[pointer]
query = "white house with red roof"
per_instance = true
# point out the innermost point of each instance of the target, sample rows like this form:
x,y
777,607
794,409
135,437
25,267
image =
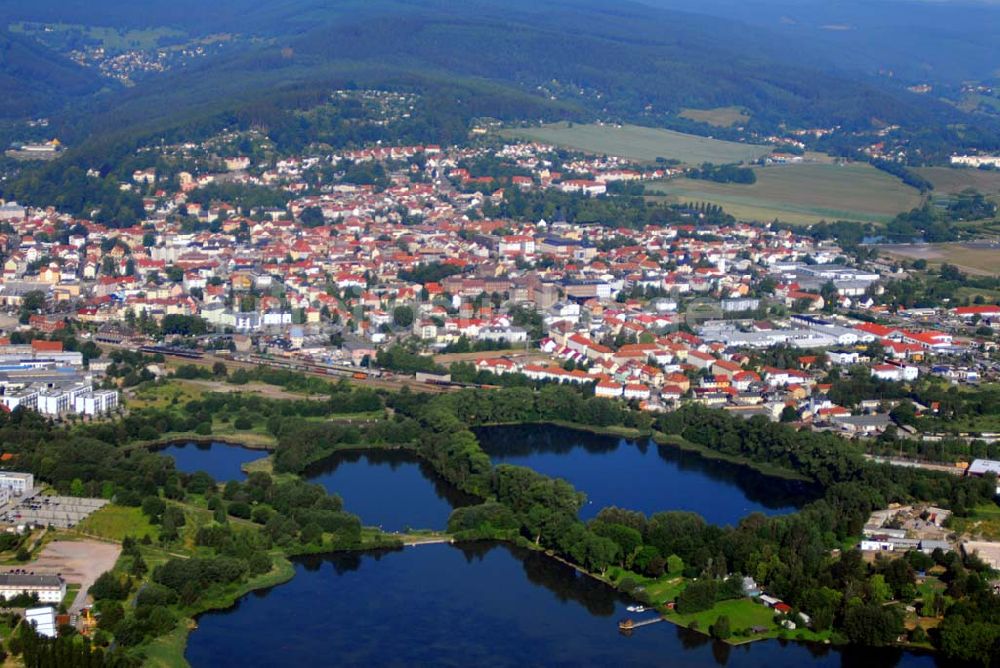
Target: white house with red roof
x,y
608,389
895,372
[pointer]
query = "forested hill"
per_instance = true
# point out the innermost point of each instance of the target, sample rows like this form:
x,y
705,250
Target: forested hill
x,y
624,59
533,59
913,40
34,79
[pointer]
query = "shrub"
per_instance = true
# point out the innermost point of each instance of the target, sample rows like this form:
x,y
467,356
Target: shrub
x,y
239,509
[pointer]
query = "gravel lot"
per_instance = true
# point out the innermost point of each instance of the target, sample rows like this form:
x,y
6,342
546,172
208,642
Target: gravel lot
x,y
79,562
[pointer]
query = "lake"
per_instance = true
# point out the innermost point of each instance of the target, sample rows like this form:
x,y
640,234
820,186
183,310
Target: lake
x,y
477,604
395,490
222,461
392,489
641,475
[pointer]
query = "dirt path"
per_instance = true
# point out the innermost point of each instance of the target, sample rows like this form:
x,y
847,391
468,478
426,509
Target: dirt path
x,y
263,389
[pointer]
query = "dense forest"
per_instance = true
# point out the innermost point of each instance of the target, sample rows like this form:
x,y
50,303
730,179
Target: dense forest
x,y
35,79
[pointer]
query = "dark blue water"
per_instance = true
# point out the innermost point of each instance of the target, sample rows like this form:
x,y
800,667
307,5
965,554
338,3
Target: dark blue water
x,y
222,461
475,605
641,475
390,489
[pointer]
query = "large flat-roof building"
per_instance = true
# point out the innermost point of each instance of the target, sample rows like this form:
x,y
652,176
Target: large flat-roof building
x,y
981,467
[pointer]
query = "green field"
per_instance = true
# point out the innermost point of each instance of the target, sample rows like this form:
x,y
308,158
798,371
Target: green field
x,y
115,522
802,194
974,258
640,143
950,180
721,117
743,613
983,524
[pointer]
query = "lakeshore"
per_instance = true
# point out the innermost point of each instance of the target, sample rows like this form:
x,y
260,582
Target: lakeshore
x,y
431,538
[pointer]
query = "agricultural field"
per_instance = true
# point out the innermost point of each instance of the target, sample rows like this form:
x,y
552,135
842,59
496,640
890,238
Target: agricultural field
x,y
950,181
720,117
802,194
974,257
68,35
642,144
983,103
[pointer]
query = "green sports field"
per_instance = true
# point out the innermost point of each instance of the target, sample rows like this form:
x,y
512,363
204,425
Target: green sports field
x,y
641,143
802,194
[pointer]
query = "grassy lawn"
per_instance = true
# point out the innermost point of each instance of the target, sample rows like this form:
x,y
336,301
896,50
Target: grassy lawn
x,y
743,613
930,585
952,180
176,392
984,523
168,651
664,590
802,194
720,117
266,465
115,522
641,143
257,436
71,591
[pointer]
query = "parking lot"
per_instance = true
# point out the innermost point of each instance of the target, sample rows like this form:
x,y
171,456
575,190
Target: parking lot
x,y
62,512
